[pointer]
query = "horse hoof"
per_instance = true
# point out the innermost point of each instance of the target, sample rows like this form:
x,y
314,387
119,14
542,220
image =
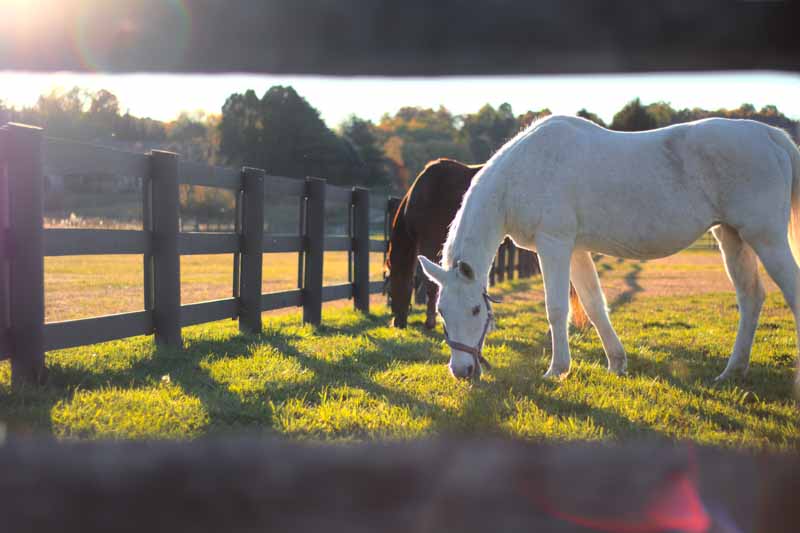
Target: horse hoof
x,y
730,374
430,324
620,368
557,374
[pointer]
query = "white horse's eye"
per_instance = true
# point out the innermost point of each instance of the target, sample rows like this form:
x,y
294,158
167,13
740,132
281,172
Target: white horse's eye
x,y
476,310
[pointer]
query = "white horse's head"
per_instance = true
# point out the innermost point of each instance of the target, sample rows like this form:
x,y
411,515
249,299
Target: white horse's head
x,y
464,307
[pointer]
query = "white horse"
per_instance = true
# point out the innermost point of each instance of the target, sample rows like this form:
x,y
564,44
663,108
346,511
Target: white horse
x,y
566,187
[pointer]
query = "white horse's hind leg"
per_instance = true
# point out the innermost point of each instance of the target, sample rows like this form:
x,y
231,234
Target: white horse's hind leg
x,y
742,267
781,266
587,284
554,257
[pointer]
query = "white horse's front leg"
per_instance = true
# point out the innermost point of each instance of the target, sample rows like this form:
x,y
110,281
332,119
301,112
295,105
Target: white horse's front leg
x,y
554,257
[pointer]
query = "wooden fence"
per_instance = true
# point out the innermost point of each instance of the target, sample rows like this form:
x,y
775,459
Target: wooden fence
x,y
24,336
511,261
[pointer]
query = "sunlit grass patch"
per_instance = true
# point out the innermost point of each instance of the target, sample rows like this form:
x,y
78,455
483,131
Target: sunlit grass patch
x,y
263,373
346,413
429,384
530,421
163,411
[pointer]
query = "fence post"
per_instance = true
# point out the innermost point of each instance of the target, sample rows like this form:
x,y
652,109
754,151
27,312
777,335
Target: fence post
x,y
501,261
314,250
524,263
26,233
251,259
166,259
511,260
5,347
361,247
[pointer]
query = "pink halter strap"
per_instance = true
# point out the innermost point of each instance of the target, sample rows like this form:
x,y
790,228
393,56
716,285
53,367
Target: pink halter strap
x,y
475,351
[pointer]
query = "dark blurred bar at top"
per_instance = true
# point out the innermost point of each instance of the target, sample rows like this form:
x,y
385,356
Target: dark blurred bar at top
x,y
409,38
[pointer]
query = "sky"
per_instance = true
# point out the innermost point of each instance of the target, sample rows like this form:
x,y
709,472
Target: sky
x,y
163,97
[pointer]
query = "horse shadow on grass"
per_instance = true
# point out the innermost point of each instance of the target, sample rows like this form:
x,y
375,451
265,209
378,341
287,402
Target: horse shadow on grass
x,y
632,287
693,372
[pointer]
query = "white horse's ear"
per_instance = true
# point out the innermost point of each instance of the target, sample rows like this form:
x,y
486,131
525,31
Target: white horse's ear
x,y
434,272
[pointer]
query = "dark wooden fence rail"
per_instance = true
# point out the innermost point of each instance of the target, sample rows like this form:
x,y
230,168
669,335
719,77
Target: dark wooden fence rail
x,y
25,155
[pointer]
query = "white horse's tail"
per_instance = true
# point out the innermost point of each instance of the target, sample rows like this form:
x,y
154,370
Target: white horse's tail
x,y
794,217
794,220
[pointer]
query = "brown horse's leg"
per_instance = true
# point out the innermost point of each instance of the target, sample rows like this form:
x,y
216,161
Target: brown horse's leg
x,y
431,248
433,294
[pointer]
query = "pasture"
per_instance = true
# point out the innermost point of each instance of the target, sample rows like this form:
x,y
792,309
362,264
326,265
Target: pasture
x,y
355,378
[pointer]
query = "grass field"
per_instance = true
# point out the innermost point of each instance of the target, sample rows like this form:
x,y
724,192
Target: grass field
x,y
357,378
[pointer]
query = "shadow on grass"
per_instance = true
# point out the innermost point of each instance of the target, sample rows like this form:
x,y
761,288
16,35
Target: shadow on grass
x,y
632,286
693,372
614,424
484,409
226,411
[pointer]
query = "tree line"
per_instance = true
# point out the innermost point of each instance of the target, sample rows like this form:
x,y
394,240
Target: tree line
x,y
284,134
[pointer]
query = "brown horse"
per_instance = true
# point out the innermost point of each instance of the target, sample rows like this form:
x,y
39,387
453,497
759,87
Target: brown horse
x,y
420,228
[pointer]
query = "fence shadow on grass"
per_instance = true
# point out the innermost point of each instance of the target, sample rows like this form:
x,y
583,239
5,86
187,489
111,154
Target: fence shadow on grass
x,y
484,409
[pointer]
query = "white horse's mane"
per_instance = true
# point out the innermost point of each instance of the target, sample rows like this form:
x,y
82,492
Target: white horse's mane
x,y
451,250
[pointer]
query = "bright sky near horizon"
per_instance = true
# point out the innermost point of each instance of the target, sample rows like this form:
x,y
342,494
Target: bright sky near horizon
x,y
163,97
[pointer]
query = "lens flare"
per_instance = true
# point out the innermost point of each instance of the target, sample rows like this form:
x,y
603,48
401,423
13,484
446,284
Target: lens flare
x,y
107,35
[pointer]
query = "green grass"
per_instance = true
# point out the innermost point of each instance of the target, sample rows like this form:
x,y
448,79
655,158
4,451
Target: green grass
x,y
355,378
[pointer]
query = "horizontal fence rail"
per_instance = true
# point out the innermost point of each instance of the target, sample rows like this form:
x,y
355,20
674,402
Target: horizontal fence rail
x,y
29,156
208,176
64,158
95,242
210,311
208,243
282,243
278,300
72,333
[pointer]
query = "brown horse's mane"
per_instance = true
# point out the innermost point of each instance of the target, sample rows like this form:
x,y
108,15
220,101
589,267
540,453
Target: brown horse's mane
x,y
404,201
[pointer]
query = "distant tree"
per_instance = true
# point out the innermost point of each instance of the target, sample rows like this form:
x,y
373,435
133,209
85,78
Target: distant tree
x,y
487,130
633,117
190,135
63,114
241,129
284,135
6,112
746,110
588,115
187,127
529,117
661,113
414,136
361,135
420,124
103,113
